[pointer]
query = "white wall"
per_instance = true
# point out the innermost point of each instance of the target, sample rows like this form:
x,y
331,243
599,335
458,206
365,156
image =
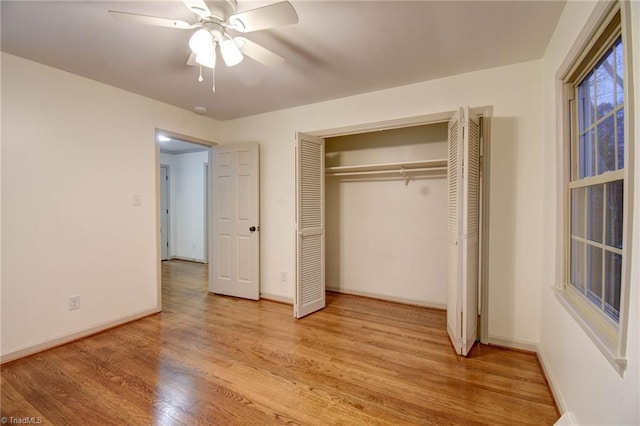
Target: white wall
x,y
186,206
384,238
74,153
585,382
515,93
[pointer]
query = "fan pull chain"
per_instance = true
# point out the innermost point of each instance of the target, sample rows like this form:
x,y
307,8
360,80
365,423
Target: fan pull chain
x,y
200,76
213,80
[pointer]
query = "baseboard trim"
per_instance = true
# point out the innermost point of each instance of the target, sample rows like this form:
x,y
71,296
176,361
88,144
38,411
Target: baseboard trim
x,y
513,344
275,298
77,335
553,386
188,259
389,298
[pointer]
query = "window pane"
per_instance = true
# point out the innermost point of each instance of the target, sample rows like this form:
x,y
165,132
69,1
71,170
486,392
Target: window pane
x,y
578,212
606,146
594,274
604,85
619,72
577,265
612,280
620,137
614,213
587,149
594,212
586,103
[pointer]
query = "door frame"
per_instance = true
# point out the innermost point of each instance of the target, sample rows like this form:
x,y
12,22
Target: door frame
x,y
167,185
187,138
486,113
205,222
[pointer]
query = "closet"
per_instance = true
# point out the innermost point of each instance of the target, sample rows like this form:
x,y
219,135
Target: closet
x,y
386,214
396,214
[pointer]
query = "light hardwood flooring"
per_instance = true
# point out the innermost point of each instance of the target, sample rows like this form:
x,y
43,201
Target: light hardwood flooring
x,y
209,359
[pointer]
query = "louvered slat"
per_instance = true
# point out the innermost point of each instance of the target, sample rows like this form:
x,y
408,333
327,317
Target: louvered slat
x,y
310,287
452,182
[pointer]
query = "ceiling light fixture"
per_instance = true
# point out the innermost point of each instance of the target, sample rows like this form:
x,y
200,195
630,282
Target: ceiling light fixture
x,y
201,41
207,57
163,138
211,28
230,52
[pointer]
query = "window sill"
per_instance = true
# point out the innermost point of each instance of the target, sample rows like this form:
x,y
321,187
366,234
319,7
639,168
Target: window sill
x,y
600,331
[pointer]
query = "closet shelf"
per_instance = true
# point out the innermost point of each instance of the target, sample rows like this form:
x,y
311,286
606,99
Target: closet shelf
x,y
404,169
406,166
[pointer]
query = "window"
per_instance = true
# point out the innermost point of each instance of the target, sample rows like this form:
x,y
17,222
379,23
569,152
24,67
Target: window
x,y
597,205
597,184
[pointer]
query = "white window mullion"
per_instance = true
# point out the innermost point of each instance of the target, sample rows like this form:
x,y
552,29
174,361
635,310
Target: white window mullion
x,y
604,240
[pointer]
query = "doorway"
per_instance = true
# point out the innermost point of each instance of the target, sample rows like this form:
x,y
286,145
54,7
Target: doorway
x,y
310,280
182,199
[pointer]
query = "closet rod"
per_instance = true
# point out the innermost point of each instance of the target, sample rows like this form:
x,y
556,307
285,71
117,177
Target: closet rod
x,y
377,172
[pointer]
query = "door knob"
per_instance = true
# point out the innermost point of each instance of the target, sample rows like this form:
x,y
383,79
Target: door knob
x,y
252,229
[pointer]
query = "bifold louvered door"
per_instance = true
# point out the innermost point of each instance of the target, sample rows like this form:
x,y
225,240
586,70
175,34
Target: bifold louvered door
x,y
463,179
310,274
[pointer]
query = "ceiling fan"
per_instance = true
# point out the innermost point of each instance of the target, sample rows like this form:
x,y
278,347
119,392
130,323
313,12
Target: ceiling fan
x,y
216,22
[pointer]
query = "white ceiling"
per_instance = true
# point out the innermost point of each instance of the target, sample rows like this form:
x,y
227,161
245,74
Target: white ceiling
x,y
339,48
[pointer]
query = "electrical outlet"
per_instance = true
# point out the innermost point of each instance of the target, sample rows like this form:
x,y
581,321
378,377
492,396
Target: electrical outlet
x,y
137,200
74,303
283,276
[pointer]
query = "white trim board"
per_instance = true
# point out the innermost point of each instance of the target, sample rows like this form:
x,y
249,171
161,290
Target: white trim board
x,y
188,259
276,298
513,344
552,382
71,337
386,298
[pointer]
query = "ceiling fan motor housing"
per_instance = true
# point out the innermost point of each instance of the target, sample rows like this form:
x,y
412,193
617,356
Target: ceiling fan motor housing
x,y
220,9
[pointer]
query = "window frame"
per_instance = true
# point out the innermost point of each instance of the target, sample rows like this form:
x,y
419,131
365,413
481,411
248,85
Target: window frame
x,y
608,21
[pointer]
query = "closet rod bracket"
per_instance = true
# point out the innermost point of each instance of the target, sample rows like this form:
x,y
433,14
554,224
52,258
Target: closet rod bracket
x,y
405,176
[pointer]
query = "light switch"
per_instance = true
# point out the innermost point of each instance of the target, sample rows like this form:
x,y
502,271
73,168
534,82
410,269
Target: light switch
x,y
137,199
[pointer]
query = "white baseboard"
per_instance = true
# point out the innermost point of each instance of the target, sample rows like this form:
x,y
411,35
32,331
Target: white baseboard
x,y
513,344
188,259
555,390
388,298
68,338
567,419
276,298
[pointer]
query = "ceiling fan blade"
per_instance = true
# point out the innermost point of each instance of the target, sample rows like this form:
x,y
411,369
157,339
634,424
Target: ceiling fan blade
x,y
273,15
151,20
192,60
199,7
258,53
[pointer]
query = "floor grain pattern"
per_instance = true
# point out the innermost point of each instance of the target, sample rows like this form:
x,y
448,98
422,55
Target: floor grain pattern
x,y
210,359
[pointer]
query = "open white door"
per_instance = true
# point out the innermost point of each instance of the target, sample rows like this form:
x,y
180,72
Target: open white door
x,y
463,229
310,247
164,211
235,257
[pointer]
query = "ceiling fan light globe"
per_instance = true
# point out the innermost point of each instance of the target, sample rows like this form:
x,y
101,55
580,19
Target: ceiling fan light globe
x,y
230,52
207,59
201,41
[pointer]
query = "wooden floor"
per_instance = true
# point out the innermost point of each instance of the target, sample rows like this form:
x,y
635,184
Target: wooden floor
x,y
217,360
